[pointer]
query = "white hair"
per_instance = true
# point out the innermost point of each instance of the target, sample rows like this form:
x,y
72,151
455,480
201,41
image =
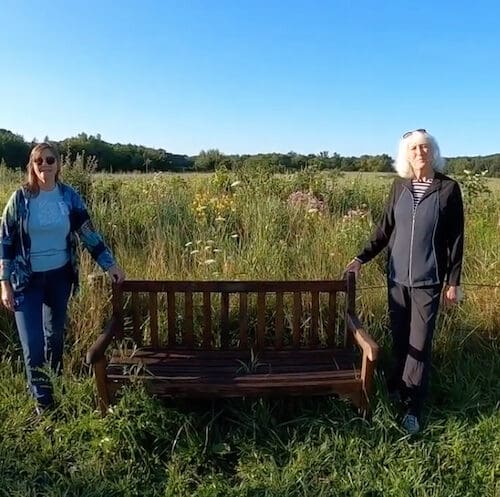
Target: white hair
x,y
402,164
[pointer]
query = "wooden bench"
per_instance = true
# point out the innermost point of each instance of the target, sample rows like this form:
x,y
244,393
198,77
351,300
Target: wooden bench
x,y
210,339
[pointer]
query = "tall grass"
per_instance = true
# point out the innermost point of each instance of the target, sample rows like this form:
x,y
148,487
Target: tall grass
x,y
242,225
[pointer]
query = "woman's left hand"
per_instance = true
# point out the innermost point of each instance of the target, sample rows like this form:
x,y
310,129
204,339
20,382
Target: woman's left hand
x,y
452,295
116,274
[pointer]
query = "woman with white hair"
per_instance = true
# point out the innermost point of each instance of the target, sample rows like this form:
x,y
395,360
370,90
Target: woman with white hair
x,y
423,227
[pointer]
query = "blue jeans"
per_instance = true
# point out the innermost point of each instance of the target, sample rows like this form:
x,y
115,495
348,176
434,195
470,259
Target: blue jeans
x,y
40,312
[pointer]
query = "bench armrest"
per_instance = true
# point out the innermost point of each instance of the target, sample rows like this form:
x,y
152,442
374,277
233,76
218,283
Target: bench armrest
x,y
362,338
98,348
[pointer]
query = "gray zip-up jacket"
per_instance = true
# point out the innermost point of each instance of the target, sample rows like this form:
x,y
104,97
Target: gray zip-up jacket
x,y
425,244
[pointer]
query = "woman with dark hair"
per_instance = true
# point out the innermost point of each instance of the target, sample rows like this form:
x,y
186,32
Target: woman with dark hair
x,y
423,228
41,224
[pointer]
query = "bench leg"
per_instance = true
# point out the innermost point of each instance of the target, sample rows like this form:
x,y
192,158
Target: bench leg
x,y
367,373
102,387
357,399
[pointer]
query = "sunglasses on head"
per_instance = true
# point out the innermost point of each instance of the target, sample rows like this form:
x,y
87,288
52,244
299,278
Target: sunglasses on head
x,y
409,133
49,160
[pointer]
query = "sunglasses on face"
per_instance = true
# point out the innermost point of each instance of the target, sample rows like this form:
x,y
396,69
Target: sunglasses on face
x,y
409,133
49,160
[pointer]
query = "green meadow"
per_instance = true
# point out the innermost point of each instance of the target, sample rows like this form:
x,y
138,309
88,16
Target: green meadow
x,y
249,224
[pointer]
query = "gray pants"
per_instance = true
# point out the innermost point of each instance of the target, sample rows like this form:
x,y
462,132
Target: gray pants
x,y
412,313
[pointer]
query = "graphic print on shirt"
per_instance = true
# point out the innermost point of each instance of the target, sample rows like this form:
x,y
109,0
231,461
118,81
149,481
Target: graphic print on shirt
x,y
50,213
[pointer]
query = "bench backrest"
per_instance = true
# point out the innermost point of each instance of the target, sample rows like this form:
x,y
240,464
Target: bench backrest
x,y
235,314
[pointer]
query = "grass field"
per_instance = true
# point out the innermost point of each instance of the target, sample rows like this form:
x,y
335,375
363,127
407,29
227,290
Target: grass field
x,y
168,226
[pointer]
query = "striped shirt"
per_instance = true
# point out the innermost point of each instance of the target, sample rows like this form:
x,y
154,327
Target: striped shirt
x,y
419,187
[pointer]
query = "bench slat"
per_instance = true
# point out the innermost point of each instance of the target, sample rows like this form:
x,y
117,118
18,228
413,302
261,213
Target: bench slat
x,y
224,318
153,318
261,320
331,322
222,376
187,336
209,391
285,356
254,286
233,368
136,326
279,322
171,319
207,321
259,385
296,315
243,321
313,335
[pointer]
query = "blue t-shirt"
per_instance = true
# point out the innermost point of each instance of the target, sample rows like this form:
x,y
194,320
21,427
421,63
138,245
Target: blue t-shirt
x,y
48,228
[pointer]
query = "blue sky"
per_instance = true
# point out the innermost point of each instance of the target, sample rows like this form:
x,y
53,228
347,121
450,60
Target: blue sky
x,y
254,76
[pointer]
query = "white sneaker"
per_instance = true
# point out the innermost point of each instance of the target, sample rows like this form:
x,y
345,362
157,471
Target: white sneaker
x,y
410,424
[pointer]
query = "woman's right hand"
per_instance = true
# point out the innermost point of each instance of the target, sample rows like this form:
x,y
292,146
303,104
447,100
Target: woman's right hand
x,y
354,266
7,295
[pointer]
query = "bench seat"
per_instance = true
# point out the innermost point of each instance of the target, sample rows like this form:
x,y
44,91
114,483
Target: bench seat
x,y
198,373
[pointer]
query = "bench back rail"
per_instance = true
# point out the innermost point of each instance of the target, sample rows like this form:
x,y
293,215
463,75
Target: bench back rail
x,y
230,315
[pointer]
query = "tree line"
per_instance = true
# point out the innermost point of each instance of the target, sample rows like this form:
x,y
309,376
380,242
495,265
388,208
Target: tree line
x,y
117,157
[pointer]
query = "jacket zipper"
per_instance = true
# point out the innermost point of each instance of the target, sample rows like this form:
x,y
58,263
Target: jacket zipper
x,y
411,242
